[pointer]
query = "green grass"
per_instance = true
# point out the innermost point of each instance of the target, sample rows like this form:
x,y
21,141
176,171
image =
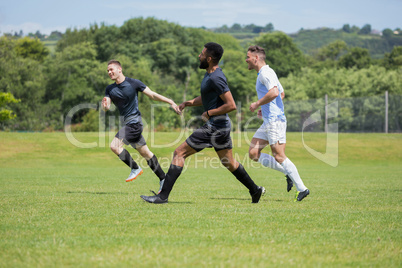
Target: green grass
x,y
65,206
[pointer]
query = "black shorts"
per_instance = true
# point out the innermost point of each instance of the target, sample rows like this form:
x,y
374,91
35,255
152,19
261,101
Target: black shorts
x,y
132,135
208,136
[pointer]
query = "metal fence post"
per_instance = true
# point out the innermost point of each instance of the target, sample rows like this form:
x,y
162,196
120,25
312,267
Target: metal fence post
x,y
386,111
326,113
238,123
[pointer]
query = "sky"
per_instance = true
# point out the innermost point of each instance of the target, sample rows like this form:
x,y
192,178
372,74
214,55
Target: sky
x,y
287,16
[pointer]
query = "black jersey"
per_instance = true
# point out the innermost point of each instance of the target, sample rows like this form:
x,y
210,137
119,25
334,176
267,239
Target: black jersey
x,y
125,97
212,86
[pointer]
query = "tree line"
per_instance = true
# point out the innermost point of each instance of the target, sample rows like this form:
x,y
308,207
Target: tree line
x,y
164,55
378,43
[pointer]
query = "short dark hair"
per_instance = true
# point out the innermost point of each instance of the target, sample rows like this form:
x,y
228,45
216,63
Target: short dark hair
x,y
215,51
258,50
114,62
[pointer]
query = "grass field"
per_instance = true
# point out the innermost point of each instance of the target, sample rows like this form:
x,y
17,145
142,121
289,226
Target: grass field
x,y
61,205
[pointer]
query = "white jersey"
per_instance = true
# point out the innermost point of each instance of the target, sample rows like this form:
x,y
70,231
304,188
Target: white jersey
x,y
267,80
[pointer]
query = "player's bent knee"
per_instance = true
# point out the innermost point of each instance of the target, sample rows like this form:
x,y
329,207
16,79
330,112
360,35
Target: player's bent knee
x,y
254,155
279,158
178,153
115,148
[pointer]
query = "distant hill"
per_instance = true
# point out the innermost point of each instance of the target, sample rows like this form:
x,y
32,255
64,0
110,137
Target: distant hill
x,y
309,41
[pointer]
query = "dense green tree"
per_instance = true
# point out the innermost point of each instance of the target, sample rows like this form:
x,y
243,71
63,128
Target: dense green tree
x,y
341,83
366,29
250,27
164,53
354,29
356,57
90,122
236,27
7,48
55,35
109,43
75,36
5,112
394,59
332,51
144,31
282,54
37,34
223,29
346,28
387,33
258,29
269,28
75,76
31,48
24,79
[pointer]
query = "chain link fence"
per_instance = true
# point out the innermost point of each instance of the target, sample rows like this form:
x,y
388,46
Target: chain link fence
x,y
362,114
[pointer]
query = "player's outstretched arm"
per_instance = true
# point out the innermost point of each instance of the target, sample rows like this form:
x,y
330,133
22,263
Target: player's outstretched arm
x,y
158,97
194,102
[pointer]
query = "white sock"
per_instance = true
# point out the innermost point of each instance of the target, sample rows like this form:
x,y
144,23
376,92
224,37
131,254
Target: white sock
x,y
292,172
269,161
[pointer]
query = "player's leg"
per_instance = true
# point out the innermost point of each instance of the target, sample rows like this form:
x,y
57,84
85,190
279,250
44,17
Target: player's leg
x,y
117,146
129,134
237,169
266,160
277,142
256,146
278,151
152,161
175,169
260,140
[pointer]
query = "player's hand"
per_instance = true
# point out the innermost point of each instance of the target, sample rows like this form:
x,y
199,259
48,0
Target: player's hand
x,y
176,108
106,103
182,106
253,106
259,114
205,117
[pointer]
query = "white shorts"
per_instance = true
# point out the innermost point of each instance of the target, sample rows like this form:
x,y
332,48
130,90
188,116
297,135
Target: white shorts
x,y
272,132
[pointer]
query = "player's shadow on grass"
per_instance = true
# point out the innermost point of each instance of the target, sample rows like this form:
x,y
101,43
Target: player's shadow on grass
x,y
100,193
236,198
87,192
171,202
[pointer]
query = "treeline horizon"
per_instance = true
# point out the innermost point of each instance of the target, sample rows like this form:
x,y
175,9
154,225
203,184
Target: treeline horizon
x,y
235,28
308,40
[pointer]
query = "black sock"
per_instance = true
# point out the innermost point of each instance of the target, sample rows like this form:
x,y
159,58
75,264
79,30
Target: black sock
x,y
241,175
126,158
156,168
170,179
